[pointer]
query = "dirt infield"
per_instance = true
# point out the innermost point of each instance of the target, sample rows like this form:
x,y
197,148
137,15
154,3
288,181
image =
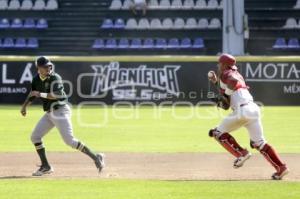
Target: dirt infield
x,y
176,166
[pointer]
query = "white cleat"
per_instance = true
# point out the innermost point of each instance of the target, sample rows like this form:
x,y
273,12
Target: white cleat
x,y
43,170
100,162
239,162
279,174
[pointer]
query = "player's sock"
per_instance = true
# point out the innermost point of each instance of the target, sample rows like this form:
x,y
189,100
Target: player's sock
x,y
84,149
271,156
42,153
231,145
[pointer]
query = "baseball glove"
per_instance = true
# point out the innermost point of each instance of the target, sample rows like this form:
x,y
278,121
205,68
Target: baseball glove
x,y
222,101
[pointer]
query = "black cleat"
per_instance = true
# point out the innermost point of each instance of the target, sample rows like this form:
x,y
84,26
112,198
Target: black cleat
x,y
43,170
100,162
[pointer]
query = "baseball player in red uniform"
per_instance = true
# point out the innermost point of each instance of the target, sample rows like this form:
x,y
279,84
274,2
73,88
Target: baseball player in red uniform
x,y
245,113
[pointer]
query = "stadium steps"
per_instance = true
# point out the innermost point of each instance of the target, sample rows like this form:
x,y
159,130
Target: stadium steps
x,y
80,27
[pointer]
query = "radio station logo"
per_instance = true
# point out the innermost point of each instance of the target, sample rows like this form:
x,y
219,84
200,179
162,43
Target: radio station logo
x,y
113,77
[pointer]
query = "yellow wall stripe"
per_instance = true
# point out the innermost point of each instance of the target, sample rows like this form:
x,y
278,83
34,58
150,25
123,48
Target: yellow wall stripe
x,y
153,58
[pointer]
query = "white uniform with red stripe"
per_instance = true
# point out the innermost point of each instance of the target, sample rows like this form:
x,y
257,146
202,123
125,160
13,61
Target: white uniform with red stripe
x,y
245,112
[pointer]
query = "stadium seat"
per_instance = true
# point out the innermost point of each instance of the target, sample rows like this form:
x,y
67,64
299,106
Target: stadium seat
x,y
191,23
8,42
167,23
3,4
136,43
107,24
186,43
126,5
160,43
39,5
29,23
0,43
178,24
4,23
203,23
14,5
143,24
297,5
188,4
98,43
164,5
212,4
51,5
214,23
20,43
42,24
173,43
155,24
32,43
280,43
200,4
293,43
176,5
16,23
131,24
153,5
26,5
290,23
123,43
111,43
148,43
119,24
115,5
198,43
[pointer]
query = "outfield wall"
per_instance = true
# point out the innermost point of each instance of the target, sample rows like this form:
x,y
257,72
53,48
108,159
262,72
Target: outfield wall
x,y
167,79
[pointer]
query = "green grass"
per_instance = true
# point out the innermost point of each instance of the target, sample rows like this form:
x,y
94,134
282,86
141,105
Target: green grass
x,y
147,129
129,189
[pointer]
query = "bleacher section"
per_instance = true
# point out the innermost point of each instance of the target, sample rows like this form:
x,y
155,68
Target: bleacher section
x,y
149,43
108,27
28,5
26,23
22,24
170,4
161,24
94,27
274,27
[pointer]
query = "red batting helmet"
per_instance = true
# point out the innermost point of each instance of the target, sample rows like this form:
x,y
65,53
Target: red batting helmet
x,y
227,60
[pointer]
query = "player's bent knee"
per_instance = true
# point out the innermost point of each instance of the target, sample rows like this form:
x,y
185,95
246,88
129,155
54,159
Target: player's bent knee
x,y
71,142
35,139
257,144
214,133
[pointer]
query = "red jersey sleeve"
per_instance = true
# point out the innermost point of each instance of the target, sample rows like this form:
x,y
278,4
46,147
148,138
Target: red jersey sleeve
x,y
233,79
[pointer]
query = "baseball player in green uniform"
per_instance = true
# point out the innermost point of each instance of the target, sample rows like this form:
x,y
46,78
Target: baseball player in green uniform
x,y
47,85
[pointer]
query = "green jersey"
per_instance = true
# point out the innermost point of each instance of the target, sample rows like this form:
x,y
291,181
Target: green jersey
x,y
52,84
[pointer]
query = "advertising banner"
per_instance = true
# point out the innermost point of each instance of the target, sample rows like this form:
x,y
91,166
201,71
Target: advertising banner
x,y
271,83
